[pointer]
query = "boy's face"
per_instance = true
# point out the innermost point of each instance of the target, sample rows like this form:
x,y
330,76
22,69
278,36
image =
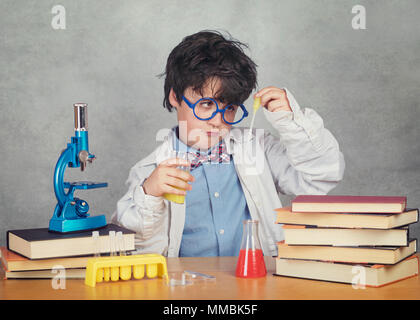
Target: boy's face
x,y
200,134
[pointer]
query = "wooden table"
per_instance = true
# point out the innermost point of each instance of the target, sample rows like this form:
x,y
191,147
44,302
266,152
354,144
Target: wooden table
x,y
226,286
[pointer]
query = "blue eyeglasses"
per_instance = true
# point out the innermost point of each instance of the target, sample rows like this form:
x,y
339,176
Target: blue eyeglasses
x,y
207,108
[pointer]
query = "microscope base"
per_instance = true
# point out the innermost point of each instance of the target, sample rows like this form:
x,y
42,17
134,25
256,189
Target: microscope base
x,y
80,224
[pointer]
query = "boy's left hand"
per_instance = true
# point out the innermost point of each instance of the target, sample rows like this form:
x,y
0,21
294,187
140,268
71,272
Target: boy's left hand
x,y
274,99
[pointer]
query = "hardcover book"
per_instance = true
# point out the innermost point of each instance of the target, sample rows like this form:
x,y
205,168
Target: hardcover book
x,y
355,204
373,255
370,275
347,220
46,274
307,235
12,261
41,243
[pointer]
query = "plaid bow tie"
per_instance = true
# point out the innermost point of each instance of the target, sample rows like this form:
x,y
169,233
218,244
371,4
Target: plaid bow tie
x,y
215,155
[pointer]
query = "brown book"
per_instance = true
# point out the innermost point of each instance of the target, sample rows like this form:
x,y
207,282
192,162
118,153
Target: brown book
x,y
15,262
373,255
369,275
347,220
46,274
355,204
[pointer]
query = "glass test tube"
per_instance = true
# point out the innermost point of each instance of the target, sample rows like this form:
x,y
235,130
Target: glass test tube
x,y
97,253
115,271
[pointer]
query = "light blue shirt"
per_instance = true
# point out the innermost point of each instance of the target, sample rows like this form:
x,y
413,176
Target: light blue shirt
x,y
215,210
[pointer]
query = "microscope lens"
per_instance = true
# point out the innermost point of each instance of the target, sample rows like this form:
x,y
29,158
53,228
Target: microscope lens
x,y
80,117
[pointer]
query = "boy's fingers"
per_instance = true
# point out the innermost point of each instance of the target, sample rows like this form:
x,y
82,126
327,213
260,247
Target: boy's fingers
x,y
175,182
272,94
264,91
277,104
180,174
172,190
175,162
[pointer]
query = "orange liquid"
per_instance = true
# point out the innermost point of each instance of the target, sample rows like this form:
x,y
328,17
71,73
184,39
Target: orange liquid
x,y
251,264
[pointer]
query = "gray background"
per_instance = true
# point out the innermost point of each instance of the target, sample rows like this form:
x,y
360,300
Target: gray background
x,y
364,83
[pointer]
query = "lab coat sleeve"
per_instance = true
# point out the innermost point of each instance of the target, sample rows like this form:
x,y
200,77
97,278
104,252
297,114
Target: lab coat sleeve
x,y
138,211
305,157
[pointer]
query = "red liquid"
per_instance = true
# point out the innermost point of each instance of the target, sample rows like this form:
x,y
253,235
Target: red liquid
x,y
250,264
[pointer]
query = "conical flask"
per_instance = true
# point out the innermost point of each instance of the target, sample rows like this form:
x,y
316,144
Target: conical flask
x,y
251,259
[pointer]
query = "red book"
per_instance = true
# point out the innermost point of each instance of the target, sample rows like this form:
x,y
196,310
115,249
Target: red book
x,y
353,204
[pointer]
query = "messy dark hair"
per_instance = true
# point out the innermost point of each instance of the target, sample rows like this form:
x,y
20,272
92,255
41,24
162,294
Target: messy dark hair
x,y
206,55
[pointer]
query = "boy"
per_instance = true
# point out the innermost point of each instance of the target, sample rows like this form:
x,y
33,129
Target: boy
x,y
207,79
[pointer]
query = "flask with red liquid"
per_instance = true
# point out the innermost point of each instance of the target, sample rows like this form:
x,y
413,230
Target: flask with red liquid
x,y
251,259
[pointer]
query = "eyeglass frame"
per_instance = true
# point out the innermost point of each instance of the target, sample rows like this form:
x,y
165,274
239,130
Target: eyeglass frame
x,y
222,111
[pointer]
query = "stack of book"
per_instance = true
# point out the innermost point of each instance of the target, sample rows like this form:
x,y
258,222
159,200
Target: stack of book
x,y
39,253
360,240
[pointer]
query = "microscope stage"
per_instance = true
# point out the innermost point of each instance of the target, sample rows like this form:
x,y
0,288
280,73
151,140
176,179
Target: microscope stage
x,y
85,185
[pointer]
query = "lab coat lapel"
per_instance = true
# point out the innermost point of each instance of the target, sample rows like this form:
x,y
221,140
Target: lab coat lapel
x,y
176,225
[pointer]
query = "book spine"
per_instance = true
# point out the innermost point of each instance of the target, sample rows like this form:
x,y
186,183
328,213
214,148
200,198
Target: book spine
x,y
7,240
408,237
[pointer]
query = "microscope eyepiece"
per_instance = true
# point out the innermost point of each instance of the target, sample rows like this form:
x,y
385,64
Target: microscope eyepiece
x,y
80,117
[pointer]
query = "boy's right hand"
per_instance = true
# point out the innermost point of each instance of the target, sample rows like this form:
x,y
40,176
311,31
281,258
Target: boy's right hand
x,y
166,178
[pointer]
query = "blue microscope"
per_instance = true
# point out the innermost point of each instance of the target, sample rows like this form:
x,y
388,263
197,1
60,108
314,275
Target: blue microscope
x,y
71,214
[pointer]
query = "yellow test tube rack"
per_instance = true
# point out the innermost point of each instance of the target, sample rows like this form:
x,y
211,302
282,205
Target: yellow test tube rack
x,y
115,268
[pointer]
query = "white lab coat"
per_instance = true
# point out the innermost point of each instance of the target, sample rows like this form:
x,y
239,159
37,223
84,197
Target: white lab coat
x,y
303,159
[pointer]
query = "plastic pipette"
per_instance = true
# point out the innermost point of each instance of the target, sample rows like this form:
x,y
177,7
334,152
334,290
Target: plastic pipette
x,y
255,107
125,271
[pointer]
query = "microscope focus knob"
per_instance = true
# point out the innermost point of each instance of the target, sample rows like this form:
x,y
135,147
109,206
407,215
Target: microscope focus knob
x,y
81,208
83,158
